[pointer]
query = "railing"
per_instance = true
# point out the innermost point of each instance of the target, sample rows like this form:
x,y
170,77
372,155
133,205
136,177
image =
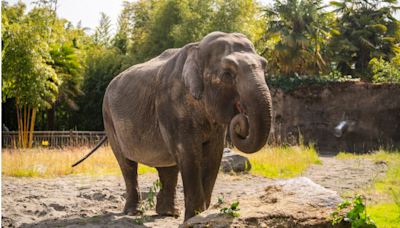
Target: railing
x,y
55,139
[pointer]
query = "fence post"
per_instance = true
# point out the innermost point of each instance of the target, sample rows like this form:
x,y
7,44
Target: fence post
x,y
13,139
71,138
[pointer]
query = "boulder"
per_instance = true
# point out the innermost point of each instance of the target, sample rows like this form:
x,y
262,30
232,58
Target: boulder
x,y
297,202
234,161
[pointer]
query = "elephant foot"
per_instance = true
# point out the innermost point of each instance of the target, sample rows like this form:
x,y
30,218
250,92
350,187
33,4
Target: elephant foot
x,y
132,211
167,210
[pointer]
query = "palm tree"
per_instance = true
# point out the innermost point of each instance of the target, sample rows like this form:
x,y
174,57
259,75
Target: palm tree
x,y
67,66
366,29
300,30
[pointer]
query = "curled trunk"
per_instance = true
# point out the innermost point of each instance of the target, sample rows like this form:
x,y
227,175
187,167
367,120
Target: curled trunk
x,y
250,133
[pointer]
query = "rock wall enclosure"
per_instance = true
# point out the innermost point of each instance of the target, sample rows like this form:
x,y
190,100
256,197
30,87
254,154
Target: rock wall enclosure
x,y
372,113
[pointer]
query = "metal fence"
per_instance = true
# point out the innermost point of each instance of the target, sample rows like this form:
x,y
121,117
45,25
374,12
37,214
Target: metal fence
x,y
55,139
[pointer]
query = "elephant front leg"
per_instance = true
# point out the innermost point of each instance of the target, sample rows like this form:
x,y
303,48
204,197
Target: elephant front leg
x,y
192,185
166,197
212,156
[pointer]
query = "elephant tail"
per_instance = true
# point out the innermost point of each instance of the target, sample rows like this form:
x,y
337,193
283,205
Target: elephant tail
x,y
91,152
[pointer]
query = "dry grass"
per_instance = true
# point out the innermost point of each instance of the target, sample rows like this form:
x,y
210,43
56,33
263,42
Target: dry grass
x,y
281,161
42,162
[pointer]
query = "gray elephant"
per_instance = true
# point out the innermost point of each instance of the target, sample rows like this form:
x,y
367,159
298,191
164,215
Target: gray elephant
x,y
172,113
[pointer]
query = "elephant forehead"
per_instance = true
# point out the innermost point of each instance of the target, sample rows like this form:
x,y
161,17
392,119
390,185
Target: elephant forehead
x,y
227,44
243,61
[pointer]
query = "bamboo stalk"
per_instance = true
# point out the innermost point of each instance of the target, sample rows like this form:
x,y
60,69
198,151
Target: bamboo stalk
x,y
21,132
27,124
24,128
32,124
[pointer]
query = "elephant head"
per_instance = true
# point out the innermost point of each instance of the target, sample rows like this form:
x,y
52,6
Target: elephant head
x,y
225,71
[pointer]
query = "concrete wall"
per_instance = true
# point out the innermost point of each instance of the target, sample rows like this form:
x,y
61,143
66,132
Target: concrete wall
x,y
372,114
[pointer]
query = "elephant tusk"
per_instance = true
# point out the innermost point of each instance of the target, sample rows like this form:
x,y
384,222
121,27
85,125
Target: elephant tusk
x,y
241,110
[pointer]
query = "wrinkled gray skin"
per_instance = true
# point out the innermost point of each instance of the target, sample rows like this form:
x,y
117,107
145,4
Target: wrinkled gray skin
x,y
172,113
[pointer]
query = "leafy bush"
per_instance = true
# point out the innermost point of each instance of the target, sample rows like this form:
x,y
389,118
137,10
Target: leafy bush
x,y
385,71
292,83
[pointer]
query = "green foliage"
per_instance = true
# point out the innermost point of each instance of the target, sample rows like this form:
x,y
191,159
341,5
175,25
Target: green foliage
x,y
231,210
25,72
198,212
101,66
385,214
221,199
45,58
162,24
66,64
299,31
295,82
282,161
385,71
102,34
41,62
121,38
365,30
148,203
396,197
386,211
357,216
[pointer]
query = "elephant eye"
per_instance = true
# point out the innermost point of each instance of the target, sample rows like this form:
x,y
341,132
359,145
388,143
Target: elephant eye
x,y
228,75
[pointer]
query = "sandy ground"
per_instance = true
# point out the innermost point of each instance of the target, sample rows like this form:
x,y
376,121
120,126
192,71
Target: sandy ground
x,y
87,201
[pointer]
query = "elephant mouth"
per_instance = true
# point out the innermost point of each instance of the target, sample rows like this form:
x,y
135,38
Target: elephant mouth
x,y
242,124
240,108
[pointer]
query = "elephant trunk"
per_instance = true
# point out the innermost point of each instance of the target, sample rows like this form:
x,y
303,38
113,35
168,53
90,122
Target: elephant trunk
x,y
250,133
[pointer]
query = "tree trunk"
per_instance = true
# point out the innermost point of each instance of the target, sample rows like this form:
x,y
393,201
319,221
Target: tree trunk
x,y
32,124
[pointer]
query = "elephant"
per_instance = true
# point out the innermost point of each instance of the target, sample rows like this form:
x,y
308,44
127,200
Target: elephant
x,y
172,113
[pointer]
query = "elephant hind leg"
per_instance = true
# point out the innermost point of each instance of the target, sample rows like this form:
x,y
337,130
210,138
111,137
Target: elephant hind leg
x,y
129,171
166,197
128,168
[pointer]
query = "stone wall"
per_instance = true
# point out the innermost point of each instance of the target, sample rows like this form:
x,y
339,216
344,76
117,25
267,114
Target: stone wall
x,y
372,114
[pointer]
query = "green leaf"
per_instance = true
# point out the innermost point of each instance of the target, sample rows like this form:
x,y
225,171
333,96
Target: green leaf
x,y
223,209
353,214
234,205
343,205
221,199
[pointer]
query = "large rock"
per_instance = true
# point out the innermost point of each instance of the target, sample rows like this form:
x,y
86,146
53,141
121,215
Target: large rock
x,y
295,202
232,161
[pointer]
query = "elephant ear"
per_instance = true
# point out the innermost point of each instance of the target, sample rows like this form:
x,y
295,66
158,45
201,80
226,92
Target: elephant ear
x,y
191,74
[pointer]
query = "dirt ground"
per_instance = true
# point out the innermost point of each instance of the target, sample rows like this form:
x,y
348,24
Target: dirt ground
x,y
87,201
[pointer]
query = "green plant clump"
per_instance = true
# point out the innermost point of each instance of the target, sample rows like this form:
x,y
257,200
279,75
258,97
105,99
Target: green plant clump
x,y
357,216
148,203
385,71
231,210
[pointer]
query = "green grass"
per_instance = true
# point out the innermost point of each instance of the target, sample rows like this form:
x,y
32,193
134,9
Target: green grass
x,y
385,215
281,161
384,194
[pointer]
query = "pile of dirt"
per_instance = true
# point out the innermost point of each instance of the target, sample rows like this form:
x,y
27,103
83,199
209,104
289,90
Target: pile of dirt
x,y
297,202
